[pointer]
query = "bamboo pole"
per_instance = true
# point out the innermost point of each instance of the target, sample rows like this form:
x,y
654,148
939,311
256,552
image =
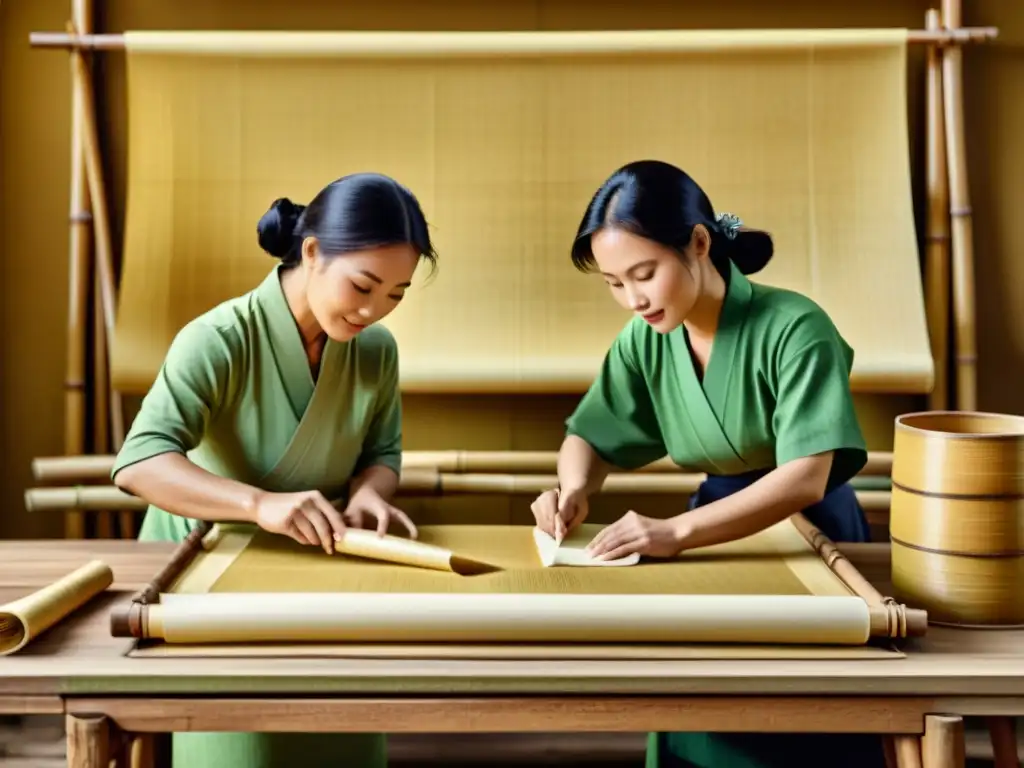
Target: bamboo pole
x,y
102,265
80,216
104,275
91,468
937,264
426,483
960,213
115,42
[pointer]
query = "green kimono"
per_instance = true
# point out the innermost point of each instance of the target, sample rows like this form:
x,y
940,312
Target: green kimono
x,y
235,394
776,388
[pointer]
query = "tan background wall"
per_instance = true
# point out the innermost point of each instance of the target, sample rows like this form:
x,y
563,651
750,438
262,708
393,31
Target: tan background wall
x,y
34,178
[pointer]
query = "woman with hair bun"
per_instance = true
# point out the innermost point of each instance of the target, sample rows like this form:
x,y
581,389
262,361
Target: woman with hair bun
x,y
281,407
746,382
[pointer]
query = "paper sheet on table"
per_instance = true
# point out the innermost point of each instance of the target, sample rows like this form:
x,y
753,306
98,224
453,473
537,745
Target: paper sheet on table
x,y
572,550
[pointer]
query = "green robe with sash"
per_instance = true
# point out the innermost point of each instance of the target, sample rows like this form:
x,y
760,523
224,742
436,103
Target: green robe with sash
x,y
776,388
236,395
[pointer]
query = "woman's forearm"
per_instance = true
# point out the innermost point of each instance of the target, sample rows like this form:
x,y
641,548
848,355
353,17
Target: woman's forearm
x,y
784,491
379,479
172,482
579,466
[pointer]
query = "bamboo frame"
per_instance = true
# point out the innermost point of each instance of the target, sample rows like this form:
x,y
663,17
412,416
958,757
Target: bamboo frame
x,y
946,157
889,619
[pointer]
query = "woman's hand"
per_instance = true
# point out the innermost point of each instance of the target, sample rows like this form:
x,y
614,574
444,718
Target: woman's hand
x,y
558,512
633,533
367,503
307,517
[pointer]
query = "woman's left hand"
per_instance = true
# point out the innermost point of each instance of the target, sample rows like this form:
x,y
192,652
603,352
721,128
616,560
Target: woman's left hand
x,y
367,504
633,533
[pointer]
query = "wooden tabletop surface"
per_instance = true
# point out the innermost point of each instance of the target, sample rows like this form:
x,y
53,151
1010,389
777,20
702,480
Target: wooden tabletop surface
x,y
79,655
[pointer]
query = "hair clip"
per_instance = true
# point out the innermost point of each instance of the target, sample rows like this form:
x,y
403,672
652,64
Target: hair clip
x,y
728,224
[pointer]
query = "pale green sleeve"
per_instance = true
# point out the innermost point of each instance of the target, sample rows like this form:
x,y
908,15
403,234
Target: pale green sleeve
x,y
616,416
189,389
383,443
814,410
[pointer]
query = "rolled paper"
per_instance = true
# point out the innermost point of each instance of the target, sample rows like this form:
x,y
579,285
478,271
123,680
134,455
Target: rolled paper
x,y
413,44
504,618
396,549
23,620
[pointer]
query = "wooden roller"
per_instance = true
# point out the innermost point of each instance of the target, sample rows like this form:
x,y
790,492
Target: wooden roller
x,y
957,516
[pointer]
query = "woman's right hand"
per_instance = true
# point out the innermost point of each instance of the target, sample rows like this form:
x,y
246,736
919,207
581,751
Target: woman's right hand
x,y
308,517
557,512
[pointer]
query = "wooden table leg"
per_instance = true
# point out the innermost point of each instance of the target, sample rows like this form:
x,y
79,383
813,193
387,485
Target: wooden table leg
x,y
1003,733
943,742
905,751
88,741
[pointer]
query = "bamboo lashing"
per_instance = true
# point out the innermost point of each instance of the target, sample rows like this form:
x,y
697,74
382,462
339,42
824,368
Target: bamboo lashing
x,y
960,213
86,468
424,482
24,619
116,42
957,517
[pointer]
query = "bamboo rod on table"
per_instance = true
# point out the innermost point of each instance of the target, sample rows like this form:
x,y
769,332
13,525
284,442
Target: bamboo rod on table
x,y
425,483
937,265
84,468
451,43
960,213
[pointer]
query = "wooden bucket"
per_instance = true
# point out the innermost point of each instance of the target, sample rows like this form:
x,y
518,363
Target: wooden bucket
x,y
957,516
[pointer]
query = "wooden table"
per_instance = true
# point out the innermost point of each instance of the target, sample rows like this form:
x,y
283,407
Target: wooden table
x,y
79,670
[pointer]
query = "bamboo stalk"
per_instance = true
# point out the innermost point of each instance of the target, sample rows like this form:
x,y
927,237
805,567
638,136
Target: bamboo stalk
x,y
82,12
960,213
115,42
75,388
425,483
88,468
937,265
104,266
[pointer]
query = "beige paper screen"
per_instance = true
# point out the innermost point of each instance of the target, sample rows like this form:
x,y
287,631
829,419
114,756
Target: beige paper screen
x,y
504,137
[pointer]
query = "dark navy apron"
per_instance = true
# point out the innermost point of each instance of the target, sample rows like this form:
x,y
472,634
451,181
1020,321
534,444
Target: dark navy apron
x,y
840,517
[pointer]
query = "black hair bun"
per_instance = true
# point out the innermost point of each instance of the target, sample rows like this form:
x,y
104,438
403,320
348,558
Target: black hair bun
x,y
276,228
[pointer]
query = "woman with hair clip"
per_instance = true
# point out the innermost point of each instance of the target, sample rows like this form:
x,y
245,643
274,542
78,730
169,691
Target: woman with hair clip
x,y
746,382
281,408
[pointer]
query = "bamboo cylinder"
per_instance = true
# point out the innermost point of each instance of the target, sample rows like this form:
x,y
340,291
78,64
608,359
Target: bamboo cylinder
x,y
960,213
957,516
937,294
422,483
79,217
80,469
